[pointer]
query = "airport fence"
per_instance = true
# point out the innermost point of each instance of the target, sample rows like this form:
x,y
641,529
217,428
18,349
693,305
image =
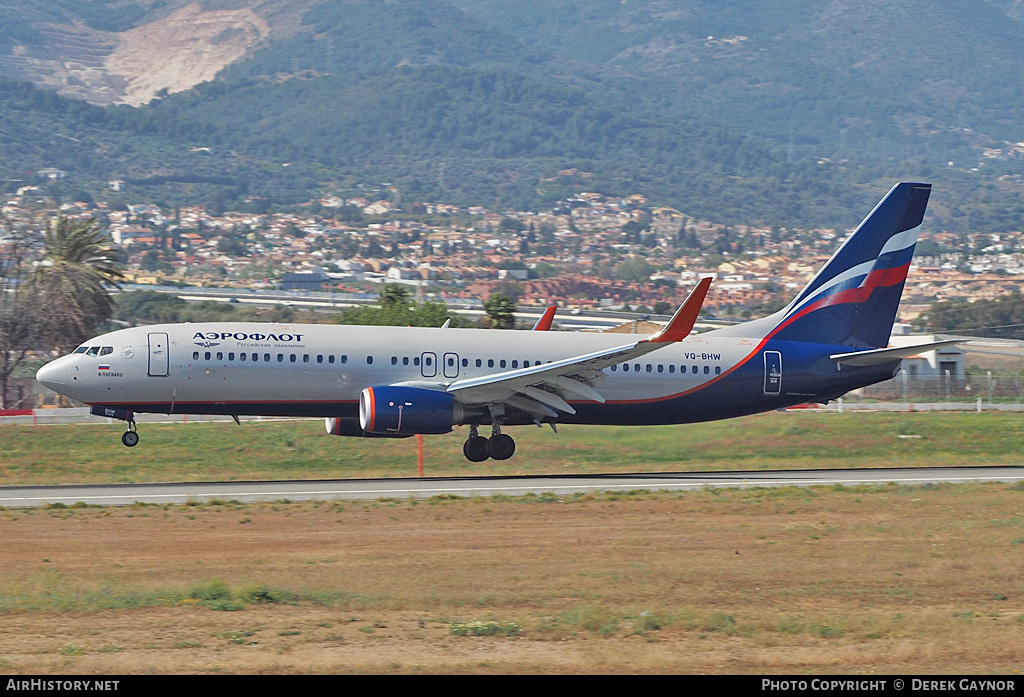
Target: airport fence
x,y
991,388
81,415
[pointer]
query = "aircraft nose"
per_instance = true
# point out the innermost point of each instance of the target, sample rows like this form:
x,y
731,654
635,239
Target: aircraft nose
x,y
54,374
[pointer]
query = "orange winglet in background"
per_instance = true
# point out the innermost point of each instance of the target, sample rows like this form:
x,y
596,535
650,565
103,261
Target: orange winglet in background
x,y
544,323
681,324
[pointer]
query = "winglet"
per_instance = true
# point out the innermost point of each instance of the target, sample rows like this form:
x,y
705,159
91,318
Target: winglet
x,y
544,323
682,321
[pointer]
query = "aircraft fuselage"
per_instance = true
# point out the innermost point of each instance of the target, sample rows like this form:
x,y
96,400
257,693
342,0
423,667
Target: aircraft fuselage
x,y
319,370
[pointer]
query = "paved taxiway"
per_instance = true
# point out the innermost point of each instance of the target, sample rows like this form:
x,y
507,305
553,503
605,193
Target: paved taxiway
x,y
353,489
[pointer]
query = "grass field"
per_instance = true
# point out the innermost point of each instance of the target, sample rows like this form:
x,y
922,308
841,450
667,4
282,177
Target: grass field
x,y
870,580
302,450
825,580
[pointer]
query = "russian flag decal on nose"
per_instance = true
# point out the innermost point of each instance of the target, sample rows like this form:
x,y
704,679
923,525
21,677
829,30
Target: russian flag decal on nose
x,y
104,367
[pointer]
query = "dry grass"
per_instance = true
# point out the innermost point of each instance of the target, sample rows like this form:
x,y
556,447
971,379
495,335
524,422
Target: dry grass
x,y
869,580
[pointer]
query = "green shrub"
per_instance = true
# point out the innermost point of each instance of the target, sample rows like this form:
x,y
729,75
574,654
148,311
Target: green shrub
x,y
259,593
210,590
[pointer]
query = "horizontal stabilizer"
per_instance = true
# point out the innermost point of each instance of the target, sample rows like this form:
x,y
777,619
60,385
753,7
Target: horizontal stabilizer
x,y
887,355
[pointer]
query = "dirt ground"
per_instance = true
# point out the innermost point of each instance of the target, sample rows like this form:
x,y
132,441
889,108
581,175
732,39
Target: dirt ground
x,y
892,580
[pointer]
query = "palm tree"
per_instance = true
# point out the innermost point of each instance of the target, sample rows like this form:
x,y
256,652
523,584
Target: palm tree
x,y
71,281
393,296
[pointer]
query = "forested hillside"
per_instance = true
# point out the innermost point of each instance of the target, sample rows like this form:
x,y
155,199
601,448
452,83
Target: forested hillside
x,y
335,37
214,145
734,111
877,77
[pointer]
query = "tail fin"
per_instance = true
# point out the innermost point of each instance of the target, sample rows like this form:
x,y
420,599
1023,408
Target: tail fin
x,y
852,300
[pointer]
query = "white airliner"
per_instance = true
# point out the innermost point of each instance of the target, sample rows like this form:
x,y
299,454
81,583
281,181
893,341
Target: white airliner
x,y
400,381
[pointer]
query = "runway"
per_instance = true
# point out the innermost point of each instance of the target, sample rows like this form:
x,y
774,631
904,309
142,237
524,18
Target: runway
x,y
372,489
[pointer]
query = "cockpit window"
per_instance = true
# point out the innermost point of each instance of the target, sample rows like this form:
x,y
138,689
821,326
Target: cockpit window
x,y
81,349
93,351
106,350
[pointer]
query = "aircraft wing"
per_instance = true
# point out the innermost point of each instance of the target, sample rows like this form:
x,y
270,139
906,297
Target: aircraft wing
x,y
542,390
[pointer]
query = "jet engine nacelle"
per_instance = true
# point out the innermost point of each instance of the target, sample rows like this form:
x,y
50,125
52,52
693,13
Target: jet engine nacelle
x,y
405,411
352,429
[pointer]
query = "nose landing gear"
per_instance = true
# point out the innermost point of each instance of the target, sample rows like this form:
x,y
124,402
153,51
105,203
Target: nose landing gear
x,y
130,438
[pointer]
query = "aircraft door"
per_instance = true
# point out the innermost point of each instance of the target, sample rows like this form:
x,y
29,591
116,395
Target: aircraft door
x,y
428,364
772,372
158,355
451,365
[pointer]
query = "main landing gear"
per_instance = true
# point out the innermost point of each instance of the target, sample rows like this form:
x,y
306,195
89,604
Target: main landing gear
x,y
499,446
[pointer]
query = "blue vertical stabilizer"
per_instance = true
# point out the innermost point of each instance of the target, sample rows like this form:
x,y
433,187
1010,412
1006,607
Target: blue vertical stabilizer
x,y
852,300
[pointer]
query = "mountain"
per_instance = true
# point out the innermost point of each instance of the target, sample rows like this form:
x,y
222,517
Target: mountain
x,y
435,133
881,77
126,51
130,51
866,74
734,110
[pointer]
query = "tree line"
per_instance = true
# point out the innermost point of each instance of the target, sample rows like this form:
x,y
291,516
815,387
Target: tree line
x,y
395,308
1001,318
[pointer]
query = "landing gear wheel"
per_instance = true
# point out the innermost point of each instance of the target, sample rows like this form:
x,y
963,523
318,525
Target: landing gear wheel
x,y
500,446
130,438
475,449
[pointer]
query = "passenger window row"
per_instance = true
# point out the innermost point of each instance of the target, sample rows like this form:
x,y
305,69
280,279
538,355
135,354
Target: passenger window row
x,y
661,368
268,357
428,361
450,359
